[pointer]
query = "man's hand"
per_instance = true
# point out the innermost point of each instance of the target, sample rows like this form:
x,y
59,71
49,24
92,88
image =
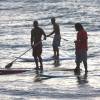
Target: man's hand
x,y
75,41
44,37
32,45
47,35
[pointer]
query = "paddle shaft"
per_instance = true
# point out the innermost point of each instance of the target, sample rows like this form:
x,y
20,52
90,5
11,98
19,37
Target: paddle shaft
x,y
27,51
61,38
64,39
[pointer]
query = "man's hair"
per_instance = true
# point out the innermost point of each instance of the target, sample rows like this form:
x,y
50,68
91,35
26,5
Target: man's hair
x,y
35,23
78,26
53,19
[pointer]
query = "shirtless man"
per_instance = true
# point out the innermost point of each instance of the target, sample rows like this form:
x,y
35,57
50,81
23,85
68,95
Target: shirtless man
x,y
56,39
36,43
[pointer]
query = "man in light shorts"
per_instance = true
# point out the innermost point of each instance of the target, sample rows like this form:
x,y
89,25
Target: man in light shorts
x,y
56,39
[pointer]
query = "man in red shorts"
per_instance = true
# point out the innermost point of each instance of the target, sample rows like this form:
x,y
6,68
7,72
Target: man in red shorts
x,y
36,43
81,47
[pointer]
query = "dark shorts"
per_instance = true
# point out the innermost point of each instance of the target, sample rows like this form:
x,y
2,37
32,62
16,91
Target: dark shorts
x,y
56,41
81,56
37,50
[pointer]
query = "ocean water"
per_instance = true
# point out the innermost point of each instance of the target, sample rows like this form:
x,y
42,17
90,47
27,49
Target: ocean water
x,y
16,19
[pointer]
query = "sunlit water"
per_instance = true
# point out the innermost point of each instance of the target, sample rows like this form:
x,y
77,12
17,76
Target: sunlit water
x,y
16,18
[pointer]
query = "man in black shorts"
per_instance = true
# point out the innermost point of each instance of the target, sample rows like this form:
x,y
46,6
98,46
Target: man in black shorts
x,y
36,43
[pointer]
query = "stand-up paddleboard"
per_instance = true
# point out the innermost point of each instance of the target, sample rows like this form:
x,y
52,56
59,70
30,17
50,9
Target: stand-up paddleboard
x,y
12,71
62,69
31,59
21,70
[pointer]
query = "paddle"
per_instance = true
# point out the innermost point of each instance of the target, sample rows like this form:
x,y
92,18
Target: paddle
x,y
61,38
10,64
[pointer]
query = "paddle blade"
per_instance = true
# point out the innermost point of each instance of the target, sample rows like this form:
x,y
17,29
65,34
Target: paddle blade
x,y
9,65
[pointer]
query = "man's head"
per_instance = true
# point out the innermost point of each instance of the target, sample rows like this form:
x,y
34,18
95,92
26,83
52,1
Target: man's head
x,y
78,26
35,23
53,20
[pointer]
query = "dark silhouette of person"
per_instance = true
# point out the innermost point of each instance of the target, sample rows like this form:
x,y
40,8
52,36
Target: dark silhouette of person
x,y
36,43
81,47
56,39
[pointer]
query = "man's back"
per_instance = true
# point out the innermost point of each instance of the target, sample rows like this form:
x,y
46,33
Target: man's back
x,y
36,34
82,40
56,29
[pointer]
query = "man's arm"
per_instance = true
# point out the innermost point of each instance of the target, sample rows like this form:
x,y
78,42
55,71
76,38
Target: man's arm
x,y
44,34
52,31
32,37
50,34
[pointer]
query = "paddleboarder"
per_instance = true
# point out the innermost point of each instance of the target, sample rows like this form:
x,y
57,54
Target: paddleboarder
x,y
56,39
36,43
81,47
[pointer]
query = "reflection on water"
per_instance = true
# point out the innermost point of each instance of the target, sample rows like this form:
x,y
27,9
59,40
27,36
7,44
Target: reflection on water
x,y
39,77
57,62
82,79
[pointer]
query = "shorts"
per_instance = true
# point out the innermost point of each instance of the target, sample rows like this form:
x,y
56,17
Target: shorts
x,y
81,56
56,41
37,50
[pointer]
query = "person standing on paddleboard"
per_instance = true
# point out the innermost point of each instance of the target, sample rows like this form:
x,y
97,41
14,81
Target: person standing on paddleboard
x,y
56,39
81,47
36,43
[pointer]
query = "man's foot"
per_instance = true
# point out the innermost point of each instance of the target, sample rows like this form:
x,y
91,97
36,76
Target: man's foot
x,y
41,69
77,70
36,68
56,63
53,57
57,57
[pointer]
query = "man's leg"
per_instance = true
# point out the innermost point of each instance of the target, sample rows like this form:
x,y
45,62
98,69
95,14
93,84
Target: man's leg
x,y
57,53
58,44
77,66
40,60
77,61
34,53
77,69
36,62
54,50
85,65
85,60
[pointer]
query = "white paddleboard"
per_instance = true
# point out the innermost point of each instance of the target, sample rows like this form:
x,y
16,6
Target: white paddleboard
x,y
31,59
